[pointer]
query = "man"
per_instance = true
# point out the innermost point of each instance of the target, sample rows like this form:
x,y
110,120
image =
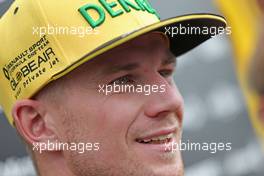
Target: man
x,y
257,69
59,91
241,14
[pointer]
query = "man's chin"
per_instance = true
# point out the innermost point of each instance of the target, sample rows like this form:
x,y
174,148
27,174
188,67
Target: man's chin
x,y
161,163
157,155
169,170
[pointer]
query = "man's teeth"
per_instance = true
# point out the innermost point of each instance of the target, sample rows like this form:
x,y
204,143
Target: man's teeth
x,y
157,140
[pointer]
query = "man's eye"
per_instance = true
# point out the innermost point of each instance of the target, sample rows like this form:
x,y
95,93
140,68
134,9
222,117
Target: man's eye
x,y
166,73
123,80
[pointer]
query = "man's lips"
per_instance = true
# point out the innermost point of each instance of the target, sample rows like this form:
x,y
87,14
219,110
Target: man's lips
x,y
162,136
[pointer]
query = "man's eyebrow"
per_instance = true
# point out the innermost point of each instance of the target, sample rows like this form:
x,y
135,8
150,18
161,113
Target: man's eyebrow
x,y
118,68
170,59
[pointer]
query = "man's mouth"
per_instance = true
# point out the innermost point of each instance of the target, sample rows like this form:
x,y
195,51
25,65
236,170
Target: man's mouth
x,y
162,139
158,140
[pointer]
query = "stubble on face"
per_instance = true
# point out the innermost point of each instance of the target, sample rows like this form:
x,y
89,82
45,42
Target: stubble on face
x,y
92,117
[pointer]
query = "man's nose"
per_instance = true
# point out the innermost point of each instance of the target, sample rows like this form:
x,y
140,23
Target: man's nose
x,y
167,102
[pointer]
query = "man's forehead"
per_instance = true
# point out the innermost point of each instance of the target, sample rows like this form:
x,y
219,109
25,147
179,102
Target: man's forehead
x,y
150,43
149,40
146,43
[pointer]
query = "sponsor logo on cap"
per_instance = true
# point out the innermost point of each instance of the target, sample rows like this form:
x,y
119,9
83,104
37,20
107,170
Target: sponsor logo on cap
x,y
108,7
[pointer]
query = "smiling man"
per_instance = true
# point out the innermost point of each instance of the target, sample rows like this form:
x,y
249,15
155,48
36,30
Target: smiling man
x,y
51,84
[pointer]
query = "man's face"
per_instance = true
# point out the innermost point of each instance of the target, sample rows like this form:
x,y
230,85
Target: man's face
x,y
128,125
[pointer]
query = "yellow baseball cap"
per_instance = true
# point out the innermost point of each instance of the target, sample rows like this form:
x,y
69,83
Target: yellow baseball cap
x,y
42,40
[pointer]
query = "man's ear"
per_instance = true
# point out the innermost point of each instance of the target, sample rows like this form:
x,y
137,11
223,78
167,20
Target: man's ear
x,y
33,122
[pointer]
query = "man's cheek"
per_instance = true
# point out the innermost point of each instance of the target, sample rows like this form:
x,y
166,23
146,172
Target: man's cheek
x,y
120,116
